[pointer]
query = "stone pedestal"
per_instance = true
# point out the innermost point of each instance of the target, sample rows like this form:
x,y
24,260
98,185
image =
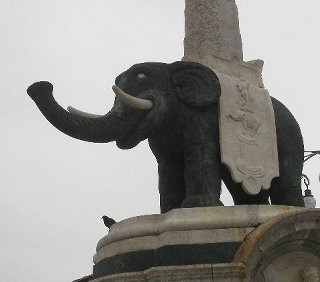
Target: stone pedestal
x,y
239,243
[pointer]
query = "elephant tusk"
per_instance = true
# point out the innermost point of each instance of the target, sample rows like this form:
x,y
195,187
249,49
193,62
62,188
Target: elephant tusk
x,y
138,103
79,113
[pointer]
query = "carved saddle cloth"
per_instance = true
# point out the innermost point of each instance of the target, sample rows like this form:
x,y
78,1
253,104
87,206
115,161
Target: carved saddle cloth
x,y
248,140
247,132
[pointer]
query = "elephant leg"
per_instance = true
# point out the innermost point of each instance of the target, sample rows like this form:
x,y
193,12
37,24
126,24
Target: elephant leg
x,y
239,196
202,175
171,185
286,189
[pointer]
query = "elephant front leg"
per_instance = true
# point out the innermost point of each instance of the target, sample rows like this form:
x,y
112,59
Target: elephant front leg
x,y
171,185
202,175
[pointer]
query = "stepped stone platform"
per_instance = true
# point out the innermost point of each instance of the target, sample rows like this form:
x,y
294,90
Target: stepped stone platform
x,y
238,243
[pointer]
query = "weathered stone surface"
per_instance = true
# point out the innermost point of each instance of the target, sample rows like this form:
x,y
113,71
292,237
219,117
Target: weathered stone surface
x,y
192,219
293,267
284,248
181,237
212,38
170,239
212,27
278,244
204,273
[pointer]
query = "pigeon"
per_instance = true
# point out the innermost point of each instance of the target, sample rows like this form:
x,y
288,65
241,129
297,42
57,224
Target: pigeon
x,y
108,222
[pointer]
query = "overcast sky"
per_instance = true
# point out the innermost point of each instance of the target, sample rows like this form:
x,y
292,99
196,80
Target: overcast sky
x,y
54,189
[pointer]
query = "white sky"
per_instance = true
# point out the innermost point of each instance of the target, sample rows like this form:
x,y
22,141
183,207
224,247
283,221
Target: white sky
x,y
54,189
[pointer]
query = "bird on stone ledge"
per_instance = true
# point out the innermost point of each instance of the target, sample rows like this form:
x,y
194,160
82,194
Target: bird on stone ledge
x,y
108,221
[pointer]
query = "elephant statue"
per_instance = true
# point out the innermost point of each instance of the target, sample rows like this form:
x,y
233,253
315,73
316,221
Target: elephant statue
x,y
176,107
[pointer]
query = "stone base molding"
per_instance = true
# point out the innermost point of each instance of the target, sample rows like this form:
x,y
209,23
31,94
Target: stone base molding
x,y
196,242
218,273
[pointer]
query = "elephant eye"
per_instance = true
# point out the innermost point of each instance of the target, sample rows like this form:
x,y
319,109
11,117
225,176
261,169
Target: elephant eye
x,y
141,75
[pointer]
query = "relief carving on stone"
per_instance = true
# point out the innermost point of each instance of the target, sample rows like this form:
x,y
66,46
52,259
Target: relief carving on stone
x,y
249,123
247,134
310,274
298,266
212,28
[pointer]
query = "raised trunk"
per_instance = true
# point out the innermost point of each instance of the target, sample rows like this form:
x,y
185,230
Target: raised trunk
x,y
98,130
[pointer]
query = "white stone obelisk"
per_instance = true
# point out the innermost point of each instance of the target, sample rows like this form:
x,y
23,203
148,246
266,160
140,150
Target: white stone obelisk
x,y
212,37
212,28
247,125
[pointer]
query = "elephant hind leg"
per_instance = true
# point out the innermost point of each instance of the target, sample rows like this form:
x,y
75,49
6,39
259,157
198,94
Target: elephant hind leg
x,y
286,191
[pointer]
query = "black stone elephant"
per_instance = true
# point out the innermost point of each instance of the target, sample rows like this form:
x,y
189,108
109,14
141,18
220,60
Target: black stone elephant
x,y
176,107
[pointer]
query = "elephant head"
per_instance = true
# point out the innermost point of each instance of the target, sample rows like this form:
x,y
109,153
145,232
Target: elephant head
x,y
148,97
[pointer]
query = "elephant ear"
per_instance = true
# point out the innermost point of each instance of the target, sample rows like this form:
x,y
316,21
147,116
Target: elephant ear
x,y
195,84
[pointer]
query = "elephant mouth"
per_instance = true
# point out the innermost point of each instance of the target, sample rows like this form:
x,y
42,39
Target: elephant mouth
x,y
145,117
143,125
134,135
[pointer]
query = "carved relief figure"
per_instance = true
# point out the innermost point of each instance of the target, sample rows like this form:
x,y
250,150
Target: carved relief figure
x,y
248,138
310,274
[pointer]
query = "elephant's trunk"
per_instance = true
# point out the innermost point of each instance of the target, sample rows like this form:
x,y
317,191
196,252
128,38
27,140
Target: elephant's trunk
x,y
95,129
